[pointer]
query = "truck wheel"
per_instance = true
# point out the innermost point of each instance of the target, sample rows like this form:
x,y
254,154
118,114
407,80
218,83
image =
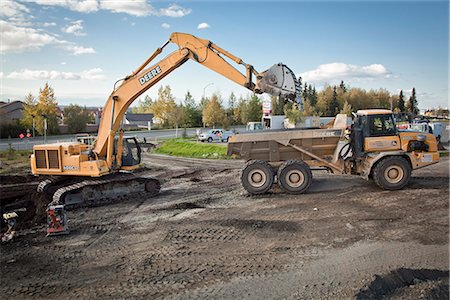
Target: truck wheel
x,y
209,139
392,173
294,176
257,177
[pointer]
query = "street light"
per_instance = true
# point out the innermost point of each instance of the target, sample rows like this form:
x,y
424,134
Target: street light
x,y
203,97
33,116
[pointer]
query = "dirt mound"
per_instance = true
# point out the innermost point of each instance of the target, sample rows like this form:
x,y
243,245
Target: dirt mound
x,y
408,284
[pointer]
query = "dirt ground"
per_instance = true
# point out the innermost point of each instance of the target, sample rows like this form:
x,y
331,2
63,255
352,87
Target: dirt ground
x,y
204,237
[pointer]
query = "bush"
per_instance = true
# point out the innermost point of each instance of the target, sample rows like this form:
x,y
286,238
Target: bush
x,y
11,129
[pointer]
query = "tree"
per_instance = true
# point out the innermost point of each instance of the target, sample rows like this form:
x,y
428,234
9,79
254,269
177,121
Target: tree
x,y
412,103
29,111
342,86
277,105
401,102
252,110
312,94
164,106
333,107
237,112
308,109
143,106
213,112
177,116
231,107
293,113
43,108
76,118
347,109
193,115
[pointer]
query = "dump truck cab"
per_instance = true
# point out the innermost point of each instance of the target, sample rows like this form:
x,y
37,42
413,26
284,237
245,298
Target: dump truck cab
x,y
374,130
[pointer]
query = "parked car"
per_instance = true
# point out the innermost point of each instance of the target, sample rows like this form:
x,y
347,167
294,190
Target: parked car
x,y
215,135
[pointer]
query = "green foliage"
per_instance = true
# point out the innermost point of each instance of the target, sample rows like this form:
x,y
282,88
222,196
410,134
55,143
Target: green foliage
x,y
401,102
213,112
13,159
232,103
76,118
252,111
164,106
45,107
192,112
11,129
347,109
143,107
412,104
293,114
180,147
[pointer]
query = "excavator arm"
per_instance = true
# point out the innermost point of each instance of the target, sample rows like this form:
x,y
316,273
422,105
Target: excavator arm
x,y
279,80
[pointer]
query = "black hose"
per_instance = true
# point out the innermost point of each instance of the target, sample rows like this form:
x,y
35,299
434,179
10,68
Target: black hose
x,y
342,155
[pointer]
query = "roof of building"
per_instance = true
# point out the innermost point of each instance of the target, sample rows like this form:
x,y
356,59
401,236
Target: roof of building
x,y
138,117
11,106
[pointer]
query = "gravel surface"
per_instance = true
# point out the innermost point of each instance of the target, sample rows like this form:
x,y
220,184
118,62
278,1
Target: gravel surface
x,y
204,237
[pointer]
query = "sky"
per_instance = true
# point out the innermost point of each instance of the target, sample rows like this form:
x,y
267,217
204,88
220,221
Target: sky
x,y
81,48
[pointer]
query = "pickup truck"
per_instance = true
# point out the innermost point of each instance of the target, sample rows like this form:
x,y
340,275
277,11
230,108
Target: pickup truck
x,y
215,135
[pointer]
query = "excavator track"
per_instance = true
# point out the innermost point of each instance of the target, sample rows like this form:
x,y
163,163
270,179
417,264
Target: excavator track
x,y
99,191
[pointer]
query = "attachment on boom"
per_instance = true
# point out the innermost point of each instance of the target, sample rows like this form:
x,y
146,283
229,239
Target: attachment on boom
x,y
279,80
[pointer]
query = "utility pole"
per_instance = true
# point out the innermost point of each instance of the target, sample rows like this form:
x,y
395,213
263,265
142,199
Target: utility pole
x,y
45,127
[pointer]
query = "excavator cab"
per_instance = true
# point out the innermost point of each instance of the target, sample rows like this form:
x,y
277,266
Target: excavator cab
x,y
131,153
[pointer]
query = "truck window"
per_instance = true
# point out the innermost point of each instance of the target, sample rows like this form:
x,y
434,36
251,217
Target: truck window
x,y
381,125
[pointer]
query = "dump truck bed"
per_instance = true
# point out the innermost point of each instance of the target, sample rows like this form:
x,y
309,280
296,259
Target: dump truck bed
x,y
309,145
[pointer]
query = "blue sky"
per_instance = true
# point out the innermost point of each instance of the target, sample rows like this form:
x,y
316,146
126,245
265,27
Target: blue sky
x,y
82,47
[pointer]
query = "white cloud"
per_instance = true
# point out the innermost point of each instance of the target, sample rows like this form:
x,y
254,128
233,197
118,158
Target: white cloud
x,y
139,8
340,71
203,25
75,28
48,24
165,25
174,11
63,63
85,6
20,39
26,74
1,75
77,50
17,39
12,9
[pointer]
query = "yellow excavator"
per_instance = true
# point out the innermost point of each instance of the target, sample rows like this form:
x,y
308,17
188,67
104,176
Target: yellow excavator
x,y
81,174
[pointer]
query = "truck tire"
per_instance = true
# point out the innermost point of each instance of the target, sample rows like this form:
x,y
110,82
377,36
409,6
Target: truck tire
x,y
392,173
294,176
257,177
210,140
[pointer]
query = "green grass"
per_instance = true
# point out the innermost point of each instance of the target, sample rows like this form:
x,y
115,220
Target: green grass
x,y
186,148
13,160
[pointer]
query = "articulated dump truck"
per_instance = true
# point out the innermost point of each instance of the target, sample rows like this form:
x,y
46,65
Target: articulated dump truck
x,y
372,148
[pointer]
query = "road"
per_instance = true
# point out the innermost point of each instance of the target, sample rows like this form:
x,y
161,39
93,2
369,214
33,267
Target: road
x,y
152,135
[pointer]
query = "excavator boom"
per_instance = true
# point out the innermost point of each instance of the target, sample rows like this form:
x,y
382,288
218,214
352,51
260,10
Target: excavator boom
x,y
279,80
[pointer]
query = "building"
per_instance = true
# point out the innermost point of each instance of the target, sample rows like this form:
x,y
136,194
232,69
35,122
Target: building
x,y
10,111
138,120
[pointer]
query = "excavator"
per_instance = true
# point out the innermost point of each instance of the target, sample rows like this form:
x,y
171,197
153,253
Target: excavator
x,y
83,174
